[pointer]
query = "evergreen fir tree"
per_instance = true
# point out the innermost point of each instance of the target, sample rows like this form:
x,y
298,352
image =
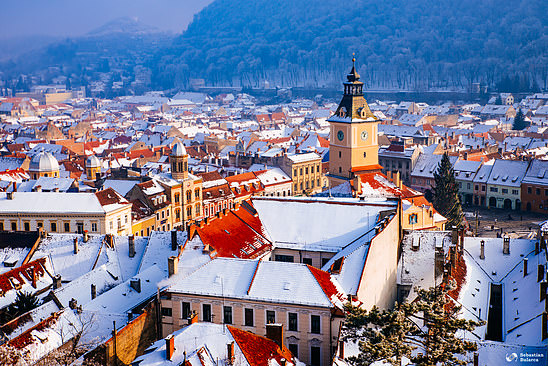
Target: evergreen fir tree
x,y
519,121
428,325
445,196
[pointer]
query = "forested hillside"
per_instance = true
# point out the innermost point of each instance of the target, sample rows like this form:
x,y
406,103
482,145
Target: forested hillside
x,y
412,44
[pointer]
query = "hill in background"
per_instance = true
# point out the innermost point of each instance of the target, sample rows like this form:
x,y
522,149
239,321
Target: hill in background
x,y
418,44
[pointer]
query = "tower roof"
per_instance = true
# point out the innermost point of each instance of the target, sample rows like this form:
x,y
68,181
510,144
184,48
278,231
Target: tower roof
x,y
93,162
43,162
353,106
178,150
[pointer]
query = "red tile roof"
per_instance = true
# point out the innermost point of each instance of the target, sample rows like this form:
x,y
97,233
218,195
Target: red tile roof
x,y
27,273
109,196
259,351
235,234
325,281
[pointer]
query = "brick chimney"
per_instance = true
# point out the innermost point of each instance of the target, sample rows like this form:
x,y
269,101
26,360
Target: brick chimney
x,y
75,246
170,346
57,282
275,332
482,249
131,244
544,325
525,261
173,240
506,245
172,265
543,287
93,291
85,236
230,352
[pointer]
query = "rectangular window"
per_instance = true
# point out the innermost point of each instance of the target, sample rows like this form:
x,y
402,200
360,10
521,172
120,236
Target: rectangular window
x,y
94,227
53,226
301,171
185,310
294,348
26,226
504,190
306,170
13,226
529,190
227,314
315,324
206,312
493,189
1,225
315,358
413,219
317,168
515,192
67,227
166,312
283,258
538,191
293,322
468,185
248,317
270,317
80,227
307,261
324,261
483,188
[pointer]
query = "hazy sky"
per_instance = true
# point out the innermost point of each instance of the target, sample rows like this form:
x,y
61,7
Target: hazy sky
x,y
76,17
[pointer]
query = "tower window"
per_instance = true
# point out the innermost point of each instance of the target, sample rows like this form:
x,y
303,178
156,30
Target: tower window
x,y
340,170
364,154
340,154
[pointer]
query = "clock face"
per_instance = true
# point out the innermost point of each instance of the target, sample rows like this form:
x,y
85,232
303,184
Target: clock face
x,y
364,135
340,135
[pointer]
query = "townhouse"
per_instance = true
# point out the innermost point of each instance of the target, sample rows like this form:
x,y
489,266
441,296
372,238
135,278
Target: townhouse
x,y
251,294
534,187
504,184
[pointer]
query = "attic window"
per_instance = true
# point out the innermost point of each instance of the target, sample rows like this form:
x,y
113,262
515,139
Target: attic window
x,y
287,286
337,265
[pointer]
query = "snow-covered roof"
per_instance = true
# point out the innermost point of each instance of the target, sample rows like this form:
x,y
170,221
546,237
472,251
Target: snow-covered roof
x,y
507,173
319,224
272,281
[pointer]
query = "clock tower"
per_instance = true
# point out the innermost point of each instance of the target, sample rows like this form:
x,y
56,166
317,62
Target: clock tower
x,y
353,145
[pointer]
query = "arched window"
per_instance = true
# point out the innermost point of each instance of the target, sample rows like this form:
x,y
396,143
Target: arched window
x,y
197,209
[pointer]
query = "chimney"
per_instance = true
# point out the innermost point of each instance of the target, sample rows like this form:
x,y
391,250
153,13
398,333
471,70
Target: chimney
x,y
131,243
172,265
537,247
57,282
9,195
506,245
193,318
230,352
75,245
525,260
540,272
93,291
173,240
283,362
482,249
37,188
341,350
454,235
170,347
85,236
476,359
275,332
135,284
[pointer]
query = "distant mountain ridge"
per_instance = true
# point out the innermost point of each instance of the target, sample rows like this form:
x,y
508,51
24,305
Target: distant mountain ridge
x,y
124,25
416,44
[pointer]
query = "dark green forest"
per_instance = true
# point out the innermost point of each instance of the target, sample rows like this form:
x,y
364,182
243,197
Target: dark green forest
x,y
399,44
